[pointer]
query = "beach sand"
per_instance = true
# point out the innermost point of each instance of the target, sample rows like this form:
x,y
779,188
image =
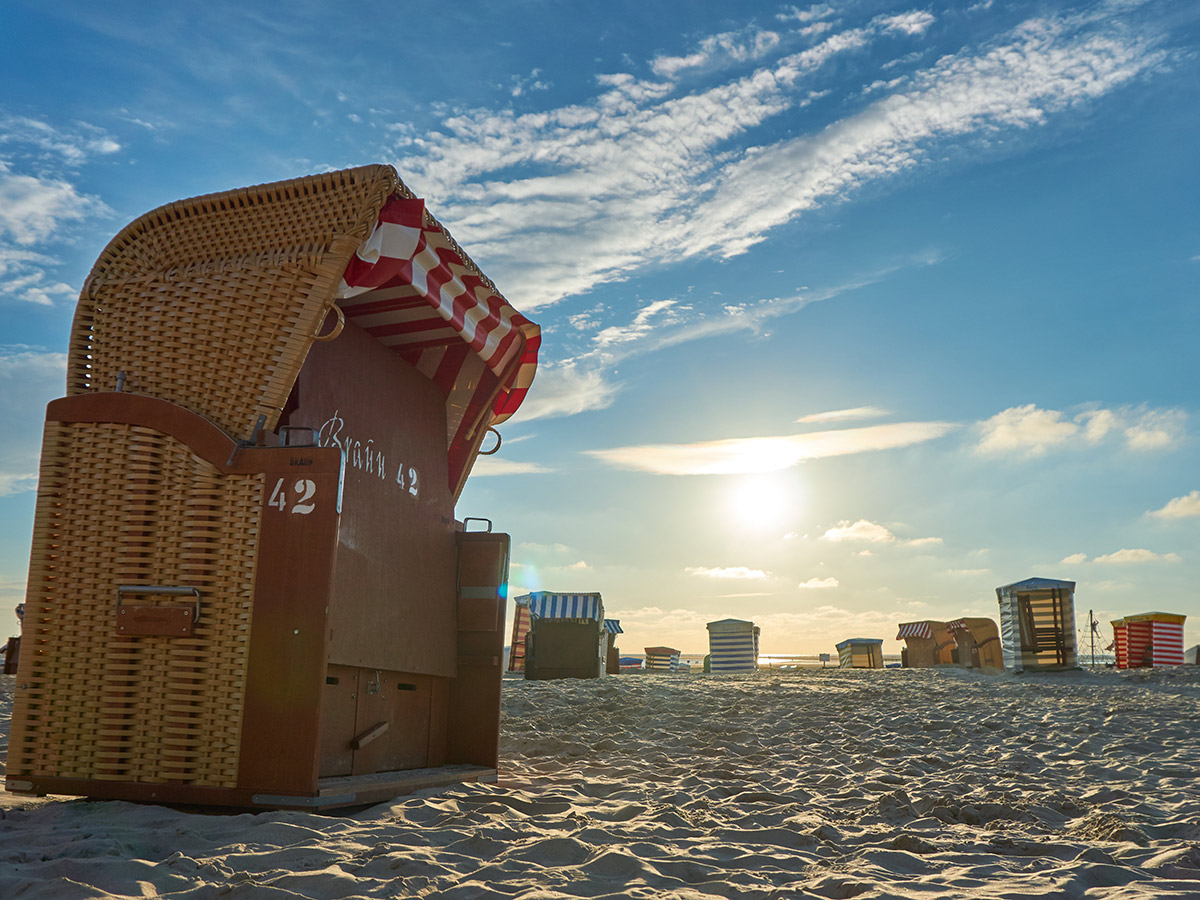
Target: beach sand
x,y
818,783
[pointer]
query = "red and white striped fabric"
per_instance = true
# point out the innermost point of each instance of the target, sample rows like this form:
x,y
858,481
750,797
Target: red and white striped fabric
x,y
1167,640
516,648
1121,645
915,629
1149,639
412,290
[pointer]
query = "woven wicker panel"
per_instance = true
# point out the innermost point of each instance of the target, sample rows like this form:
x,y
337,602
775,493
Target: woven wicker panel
x,y
120,505
212,303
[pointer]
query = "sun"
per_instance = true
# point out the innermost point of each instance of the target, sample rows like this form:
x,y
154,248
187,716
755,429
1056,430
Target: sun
x,y
761,503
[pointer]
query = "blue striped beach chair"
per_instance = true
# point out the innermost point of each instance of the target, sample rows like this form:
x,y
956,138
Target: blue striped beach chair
x,y
732,646
566,636
662,659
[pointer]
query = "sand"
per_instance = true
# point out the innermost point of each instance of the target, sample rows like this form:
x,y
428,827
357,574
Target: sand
x,y
820,783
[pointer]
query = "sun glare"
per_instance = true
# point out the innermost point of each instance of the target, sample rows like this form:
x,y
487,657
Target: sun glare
x,y
761,503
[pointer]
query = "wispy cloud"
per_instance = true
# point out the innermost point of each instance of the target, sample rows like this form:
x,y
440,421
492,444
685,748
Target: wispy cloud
x,y
912,22
1123,557
842,415
743,456
739,47
818,584
866,532
40,202
492,466
29,379
1183,507
40,140
567,388
726,572
32,209
1030,431
809,14
644,173
24,276
1126,556
585,381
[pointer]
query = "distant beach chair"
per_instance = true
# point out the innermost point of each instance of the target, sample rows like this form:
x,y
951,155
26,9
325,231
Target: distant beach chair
x,y
248,586
1149,639
520,628
978,643
860,653
1037,624
612,664
12,655
662,659
566,637
927,643
630,664
733,646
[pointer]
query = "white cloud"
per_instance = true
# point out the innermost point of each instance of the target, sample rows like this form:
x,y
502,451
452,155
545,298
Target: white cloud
x,y
968,573
1180,508
736,456
1025,428
543,548
925,542
1155,430
643,323
490,466
642,174
73,148
1074,559
29,379
1030,431
564,389
24,277
520,84
715,49
914,22
841,415
33,209
736,572
816,11
818,584
1127,556
867,532
860,531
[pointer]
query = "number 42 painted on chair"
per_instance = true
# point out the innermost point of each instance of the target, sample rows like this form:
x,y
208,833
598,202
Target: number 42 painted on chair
x,y
304,488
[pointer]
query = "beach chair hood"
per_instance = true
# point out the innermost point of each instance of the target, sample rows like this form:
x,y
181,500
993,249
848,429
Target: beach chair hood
x,y
213,303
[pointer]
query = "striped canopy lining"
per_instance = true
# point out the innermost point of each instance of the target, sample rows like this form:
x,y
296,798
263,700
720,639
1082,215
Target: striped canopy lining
x,y
613,626
409,288
566,606
915,629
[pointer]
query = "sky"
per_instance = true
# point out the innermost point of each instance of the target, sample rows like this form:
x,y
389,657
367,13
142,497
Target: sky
x,y
852,312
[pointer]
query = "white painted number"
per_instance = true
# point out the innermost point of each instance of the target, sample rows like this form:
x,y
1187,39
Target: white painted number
x,y
304,487
412,481
278,497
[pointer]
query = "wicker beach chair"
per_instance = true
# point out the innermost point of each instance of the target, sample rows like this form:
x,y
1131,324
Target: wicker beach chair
x,y
247,584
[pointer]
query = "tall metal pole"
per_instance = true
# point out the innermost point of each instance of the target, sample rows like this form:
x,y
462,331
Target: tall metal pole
x,y
1092,627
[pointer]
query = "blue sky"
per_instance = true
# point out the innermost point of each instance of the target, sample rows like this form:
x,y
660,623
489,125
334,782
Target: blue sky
x,y
852,312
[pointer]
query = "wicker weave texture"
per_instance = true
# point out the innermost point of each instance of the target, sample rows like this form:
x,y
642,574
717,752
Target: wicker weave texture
x,y
127,505
212,303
